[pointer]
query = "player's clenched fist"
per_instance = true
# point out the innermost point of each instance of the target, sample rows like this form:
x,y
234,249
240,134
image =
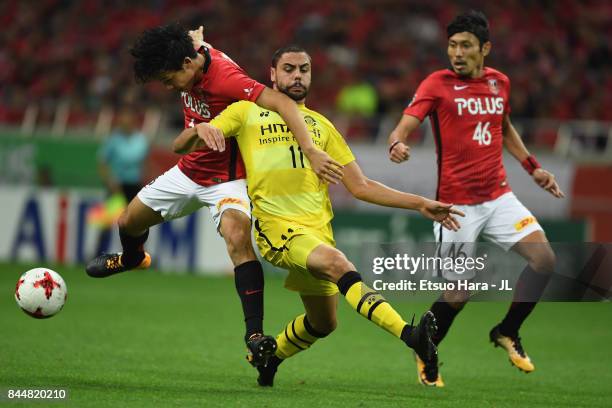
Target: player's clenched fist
x,y
442,213
211,136
399,152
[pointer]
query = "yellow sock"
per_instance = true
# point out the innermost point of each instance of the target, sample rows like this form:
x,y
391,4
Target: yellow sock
x,y
370,304
297,336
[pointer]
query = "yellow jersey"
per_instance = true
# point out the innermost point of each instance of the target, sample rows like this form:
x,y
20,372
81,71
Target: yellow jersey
x,y
281,184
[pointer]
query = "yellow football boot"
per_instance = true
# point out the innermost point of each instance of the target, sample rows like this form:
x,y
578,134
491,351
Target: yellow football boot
x,y
512,345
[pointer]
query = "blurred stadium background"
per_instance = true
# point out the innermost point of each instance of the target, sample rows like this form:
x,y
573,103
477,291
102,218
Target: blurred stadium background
x,y
65,77
66,74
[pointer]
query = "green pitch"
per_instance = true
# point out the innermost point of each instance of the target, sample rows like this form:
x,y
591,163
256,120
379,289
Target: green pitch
x,y
150,339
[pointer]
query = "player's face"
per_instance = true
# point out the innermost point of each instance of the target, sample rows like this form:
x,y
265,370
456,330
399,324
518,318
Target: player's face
x,y
181,80
465,55
292,75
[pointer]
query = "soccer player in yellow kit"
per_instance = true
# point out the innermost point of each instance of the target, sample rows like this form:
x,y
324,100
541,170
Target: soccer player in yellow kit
x,y
293,211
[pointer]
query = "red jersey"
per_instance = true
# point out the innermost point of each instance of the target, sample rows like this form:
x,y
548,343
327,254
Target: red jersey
x,y
466,116
223,83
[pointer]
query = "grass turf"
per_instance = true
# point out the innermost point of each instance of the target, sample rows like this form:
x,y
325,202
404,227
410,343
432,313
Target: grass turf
x,y
150,339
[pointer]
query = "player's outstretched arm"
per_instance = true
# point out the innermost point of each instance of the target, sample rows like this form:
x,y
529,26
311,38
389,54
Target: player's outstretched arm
x,y
399,150
374,192
185,141
515,145
323,165
197,137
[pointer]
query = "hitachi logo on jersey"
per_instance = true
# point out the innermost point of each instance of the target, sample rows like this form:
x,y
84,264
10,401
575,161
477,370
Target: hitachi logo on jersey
x,y
480,106
195,105
274,128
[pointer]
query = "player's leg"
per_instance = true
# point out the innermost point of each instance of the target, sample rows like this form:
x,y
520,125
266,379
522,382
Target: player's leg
x,y
328,263
235,227
230,209
530,285
451,302
301,333
133,225
316,268
514,227
528,290
169,196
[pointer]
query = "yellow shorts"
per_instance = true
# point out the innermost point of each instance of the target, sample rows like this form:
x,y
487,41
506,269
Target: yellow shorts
x,y
288,246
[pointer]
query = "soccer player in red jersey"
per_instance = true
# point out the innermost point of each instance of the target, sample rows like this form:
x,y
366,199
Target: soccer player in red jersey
x,y
468,106
208,81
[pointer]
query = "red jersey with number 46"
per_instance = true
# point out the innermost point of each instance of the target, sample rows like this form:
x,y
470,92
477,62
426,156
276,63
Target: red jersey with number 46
x,y
223,83
466,116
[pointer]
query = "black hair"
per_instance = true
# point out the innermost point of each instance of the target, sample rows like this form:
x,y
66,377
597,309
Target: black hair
x,y
159,50
284,50
474,22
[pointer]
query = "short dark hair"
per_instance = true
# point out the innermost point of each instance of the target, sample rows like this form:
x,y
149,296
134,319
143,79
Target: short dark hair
x,y
474,22
159,50
284,50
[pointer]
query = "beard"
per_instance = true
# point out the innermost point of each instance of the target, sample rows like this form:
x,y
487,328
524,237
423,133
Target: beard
x,y
294,92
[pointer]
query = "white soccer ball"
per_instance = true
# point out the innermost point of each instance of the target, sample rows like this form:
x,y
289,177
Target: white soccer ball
x,y
41,292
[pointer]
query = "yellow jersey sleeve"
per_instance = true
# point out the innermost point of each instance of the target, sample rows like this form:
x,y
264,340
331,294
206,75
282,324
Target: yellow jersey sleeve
x,y
337,147
231,120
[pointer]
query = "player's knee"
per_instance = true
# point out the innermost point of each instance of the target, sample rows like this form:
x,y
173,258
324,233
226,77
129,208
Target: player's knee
x,y
237,238
337,266
543,261
236,231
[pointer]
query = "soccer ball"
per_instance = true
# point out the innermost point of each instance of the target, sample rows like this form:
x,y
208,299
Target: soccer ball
x,y
41,292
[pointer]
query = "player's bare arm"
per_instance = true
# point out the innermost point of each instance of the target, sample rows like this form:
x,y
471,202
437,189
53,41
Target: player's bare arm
x,y
324,166
201,135
399,150
515,145
374,192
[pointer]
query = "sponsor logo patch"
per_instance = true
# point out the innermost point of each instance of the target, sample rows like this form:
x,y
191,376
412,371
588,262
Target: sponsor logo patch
x,y
310,121
231,200
519,226
493,86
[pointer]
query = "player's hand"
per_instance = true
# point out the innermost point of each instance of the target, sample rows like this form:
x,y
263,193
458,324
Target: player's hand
x,y
197,38
211,136
547,181
399,153
324,166
442,213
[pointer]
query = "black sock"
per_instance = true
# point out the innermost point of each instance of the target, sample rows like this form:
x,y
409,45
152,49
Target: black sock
x,y
133,248
528,290
249,281
445,314
406,336
347,280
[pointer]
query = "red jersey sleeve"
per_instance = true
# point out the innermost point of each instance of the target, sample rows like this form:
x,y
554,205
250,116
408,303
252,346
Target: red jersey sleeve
x,y
425,100
233,82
